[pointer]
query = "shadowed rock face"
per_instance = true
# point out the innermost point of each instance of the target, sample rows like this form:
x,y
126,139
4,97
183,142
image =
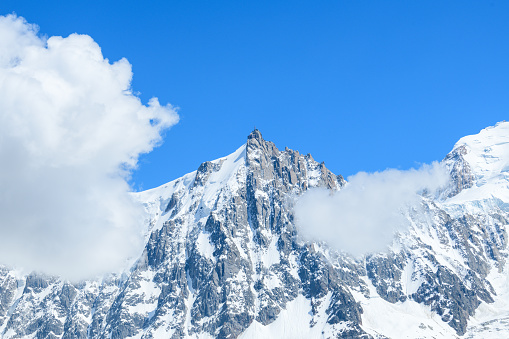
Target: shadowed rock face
x,y
460,171
222,253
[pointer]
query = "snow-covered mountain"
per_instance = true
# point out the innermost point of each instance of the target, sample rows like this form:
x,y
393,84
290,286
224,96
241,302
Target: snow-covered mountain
x,y
223,260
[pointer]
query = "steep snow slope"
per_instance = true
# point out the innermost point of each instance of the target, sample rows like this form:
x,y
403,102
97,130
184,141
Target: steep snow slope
x,y
218,174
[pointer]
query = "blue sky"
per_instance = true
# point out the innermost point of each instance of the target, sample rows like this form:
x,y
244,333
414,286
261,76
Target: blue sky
x,y
361,85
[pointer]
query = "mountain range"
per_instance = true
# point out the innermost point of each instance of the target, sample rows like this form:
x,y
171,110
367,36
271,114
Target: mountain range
x,y
223,259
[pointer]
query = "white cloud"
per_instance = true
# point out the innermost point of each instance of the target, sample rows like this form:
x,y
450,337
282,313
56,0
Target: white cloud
x,y
363,217
70,132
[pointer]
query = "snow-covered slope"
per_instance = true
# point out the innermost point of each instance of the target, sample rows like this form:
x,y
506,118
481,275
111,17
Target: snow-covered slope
x,y
487,156
223,260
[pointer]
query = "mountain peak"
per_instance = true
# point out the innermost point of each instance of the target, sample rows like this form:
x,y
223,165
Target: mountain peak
x,y
255,134
488,151
486,156
258,147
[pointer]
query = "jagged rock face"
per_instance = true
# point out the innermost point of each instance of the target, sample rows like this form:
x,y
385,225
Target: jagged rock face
x,y
460,171
223,260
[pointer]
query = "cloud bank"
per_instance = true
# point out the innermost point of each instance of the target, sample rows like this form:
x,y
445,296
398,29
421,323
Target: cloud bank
x,y
71,131
363,217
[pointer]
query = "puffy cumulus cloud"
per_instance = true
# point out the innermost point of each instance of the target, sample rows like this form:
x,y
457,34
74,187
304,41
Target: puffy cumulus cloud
x,y
363,217
71,131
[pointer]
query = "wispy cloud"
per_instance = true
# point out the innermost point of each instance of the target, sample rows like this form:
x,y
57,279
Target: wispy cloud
x,y
363,217
71,131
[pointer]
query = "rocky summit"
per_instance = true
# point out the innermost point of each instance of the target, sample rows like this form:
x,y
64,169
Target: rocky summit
x,y
223,259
